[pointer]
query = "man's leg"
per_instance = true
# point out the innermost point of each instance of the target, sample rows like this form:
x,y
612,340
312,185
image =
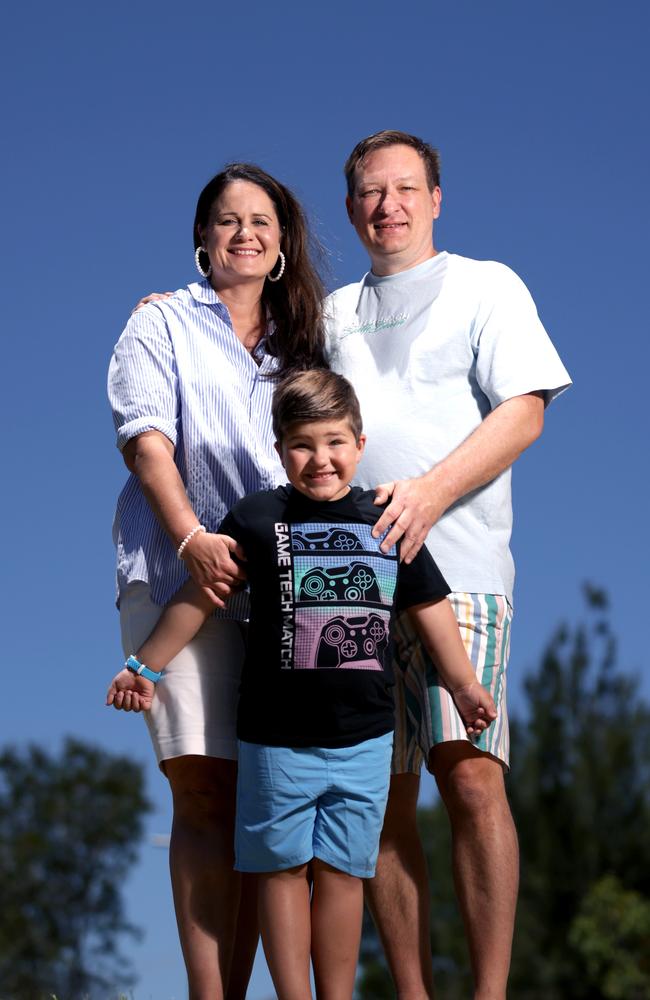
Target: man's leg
x,y
398,895
485,858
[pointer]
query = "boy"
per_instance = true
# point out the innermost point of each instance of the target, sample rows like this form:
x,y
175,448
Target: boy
x,y
315,718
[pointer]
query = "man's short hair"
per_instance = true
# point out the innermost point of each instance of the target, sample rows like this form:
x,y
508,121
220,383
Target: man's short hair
x,y
317,394
391,137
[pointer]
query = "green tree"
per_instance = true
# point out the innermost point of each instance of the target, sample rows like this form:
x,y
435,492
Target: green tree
x,y
70,825
580,794
611,933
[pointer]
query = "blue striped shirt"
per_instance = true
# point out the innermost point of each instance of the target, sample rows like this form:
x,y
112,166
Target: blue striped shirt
x,y
180,369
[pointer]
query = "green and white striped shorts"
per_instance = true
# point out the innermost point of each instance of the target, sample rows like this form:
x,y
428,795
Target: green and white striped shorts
x,y
425,713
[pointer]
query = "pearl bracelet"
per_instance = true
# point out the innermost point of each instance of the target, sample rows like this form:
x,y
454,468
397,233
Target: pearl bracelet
x,y
188,538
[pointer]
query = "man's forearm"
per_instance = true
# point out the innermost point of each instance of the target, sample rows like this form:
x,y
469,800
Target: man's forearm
x,y
493,447
417,504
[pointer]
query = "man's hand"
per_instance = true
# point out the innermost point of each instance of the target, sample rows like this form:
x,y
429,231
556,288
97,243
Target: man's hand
x,y
209,560
151,297
130,693
475,706
417,504
414,508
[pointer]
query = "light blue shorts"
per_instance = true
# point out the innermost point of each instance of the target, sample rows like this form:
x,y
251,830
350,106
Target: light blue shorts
x,y
295,804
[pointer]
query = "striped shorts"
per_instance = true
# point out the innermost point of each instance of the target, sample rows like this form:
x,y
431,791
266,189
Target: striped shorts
x,y
425,713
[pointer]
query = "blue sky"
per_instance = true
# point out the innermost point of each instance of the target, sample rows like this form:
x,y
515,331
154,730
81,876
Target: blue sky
x,y
113,119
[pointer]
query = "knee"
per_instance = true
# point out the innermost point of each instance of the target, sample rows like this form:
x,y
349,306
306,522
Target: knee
x,y
202,807
474,789
204,800
400,818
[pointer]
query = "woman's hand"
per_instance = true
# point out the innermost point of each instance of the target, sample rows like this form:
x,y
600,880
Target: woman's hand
x,y
130,693
208,558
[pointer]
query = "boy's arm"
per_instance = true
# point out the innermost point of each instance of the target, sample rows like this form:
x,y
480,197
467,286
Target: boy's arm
x,y
437,627
180,621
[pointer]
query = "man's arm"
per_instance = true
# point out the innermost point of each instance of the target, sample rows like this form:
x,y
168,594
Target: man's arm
x,y
417,504
150,456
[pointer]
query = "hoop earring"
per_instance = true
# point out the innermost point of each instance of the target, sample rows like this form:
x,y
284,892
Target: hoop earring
x,y
283,261
197,261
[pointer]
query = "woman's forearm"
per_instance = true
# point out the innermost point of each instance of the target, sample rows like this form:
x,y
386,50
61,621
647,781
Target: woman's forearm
x,y
150,457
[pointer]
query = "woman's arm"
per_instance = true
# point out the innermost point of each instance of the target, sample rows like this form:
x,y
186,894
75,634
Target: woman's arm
x,y
208,557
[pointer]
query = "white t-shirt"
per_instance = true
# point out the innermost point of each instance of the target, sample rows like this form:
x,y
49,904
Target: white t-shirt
x,y
431,351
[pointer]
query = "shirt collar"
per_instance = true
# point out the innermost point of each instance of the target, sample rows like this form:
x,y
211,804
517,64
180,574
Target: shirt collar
x,y
202,291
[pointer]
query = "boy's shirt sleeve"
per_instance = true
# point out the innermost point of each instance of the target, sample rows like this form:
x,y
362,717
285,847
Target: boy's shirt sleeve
x,y
420,582
232,526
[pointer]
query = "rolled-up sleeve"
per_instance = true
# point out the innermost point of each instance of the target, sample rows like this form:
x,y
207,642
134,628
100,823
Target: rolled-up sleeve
x,y
143,378
514,354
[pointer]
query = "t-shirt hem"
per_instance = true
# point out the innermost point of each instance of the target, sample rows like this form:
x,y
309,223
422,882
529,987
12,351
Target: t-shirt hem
x,y
308,743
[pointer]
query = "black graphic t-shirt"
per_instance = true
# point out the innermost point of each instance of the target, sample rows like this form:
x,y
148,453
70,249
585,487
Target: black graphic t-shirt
x,y
318,667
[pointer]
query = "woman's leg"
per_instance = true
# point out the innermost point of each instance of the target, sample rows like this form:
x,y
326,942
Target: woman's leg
x,y
206,889
284,911
336,914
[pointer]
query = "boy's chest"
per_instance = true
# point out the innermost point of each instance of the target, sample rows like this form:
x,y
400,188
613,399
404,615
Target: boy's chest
x,y
324,591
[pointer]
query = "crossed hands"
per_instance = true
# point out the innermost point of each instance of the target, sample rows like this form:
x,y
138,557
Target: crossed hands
x,y
209,560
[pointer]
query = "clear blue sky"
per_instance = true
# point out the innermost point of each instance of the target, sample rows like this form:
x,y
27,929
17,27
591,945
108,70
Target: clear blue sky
x,y
113,119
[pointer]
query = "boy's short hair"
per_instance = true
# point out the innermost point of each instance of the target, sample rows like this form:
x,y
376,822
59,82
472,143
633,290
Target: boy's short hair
x,y
317,394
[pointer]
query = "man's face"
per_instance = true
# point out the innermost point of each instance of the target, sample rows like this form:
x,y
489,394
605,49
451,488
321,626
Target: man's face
x,y
393,210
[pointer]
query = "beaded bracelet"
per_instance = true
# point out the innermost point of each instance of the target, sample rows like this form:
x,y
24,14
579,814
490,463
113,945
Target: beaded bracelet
x,y
188,538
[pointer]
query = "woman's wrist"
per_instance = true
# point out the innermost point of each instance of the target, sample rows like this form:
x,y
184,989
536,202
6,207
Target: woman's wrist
x,y
196,530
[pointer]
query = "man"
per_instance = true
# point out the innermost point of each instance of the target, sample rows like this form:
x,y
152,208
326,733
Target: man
x,y
453,370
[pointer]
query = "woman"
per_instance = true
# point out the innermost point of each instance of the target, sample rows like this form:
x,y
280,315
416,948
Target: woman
x,y
190,383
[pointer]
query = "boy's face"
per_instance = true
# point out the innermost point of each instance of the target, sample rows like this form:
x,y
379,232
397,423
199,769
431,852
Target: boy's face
x,y
320,457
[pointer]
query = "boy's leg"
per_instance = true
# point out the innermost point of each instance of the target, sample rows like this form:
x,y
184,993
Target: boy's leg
x,y
337,911
285,924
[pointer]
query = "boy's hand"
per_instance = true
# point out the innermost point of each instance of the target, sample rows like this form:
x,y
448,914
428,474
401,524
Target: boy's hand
x,y
475,706
130,692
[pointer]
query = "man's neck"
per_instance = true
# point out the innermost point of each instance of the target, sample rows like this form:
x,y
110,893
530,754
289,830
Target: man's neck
x,y
384,266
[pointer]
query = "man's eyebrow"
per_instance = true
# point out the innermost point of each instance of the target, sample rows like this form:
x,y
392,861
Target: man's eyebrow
x,y
373,180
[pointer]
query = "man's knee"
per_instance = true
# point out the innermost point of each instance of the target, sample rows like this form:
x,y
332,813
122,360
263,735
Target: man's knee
x,y
470,782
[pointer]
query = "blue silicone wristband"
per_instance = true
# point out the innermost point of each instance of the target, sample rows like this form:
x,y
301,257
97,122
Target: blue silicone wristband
x,y
134,665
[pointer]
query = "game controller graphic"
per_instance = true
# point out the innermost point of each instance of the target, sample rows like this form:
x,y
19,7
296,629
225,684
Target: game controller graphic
x,y
337,539
354,582
346,640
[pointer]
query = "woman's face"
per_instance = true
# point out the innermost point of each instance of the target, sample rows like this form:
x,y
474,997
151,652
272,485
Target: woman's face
x,y
242,237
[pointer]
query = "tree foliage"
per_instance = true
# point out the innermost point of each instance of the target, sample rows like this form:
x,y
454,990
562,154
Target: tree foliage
x,y
580,794
70,825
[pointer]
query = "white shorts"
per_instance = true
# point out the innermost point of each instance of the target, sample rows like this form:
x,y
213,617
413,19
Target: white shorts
x,y
194,708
